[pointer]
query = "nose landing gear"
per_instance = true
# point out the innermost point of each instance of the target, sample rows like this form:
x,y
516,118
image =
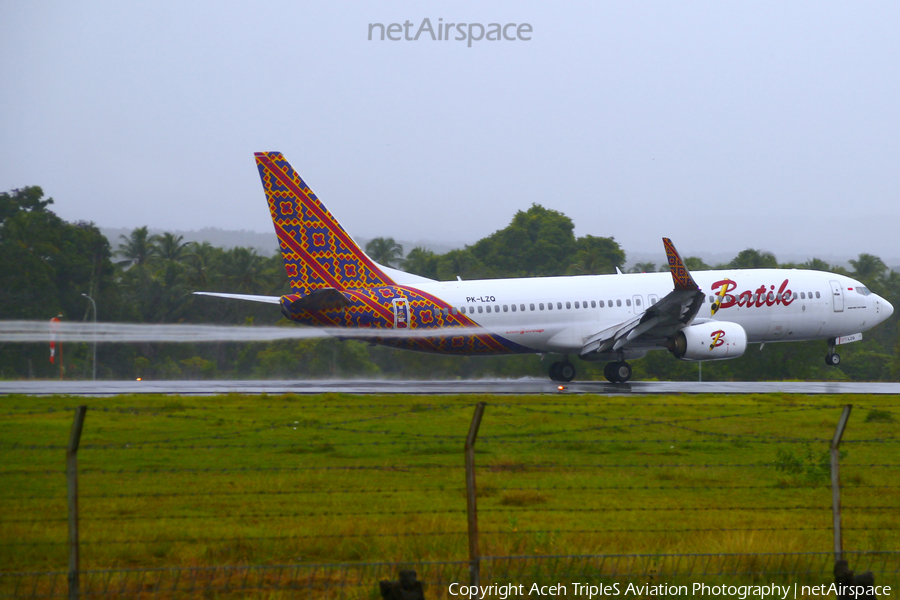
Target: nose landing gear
x,y
832,359
562,371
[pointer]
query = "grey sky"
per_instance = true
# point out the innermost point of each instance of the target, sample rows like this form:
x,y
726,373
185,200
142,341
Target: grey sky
x,y
722,125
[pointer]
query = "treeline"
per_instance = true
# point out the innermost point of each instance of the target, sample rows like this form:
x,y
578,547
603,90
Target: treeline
x,y
48,266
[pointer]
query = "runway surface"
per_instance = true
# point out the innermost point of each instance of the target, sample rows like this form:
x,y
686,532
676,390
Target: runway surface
x,y
482,386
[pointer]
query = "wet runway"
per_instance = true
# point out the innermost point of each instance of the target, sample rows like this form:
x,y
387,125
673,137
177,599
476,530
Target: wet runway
x,y
482,386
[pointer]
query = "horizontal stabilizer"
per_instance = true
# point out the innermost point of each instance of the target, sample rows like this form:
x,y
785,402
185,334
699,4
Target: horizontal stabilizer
x,y
250,297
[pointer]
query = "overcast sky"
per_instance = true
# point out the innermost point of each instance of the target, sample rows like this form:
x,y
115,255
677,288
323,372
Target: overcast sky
x,y
723,125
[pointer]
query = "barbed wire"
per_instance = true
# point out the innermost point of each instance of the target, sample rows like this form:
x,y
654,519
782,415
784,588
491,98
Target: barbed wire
x,y
386,490
408,467
640,423
452,511
318,445
436,534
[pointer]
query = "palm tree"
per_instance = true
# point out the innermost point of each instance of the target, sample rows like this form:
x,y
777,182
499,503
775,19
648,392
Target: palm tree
x,y
385,251
693,263
643,267
136,248
754,259
202,263
168,246
816,264
244,271
869,269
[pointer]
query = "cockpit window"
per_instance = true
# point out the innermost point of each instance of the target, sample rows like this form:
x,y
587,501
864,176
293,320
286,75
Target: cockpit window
x,y
863,290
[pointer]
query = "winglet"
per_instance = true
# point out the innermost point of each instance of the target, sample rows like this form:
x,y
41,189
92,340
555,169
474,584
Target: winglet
x,y
681,277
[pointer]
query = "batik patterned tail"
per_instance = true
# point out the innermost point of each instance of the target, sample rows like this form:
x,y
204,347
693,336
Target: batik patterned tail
x,y
317,251
681,277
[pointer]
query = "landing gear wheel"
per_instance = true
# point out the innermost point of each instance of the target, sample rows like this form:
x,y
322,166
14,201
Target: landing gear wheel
x,y
554,371
566,371
608,372
562,371
617,372
832,359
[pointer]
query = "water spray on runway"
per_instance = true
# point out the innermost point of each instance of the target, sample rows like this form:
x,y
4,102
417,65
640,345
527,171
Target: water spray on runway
x,y
40,331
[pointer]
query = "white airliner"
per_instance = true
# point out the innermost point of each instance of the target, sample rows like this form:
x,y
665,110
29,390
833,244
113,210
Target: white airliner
x,y
710,315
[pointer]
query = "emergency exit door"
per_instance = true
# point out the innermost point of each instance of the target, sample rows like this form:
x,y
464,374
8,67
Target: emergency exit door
x,y
401,313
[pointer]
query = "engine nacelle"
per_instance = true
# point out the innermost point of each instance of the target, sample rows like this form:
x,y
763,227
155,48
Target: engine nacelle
x,y
715,340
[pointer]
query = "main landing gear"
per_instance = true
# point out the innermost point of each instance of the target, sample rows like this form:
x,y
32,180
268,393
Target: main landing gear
x,y
562,371
617,372
832,359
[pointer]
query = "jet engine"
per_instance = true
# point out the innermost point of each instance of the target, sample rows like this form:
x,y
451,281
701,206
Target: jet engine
x,y
713,340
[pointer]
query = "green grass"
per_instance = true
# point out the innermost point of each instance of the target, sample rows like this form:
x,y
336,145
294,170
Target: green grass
x,y
244,480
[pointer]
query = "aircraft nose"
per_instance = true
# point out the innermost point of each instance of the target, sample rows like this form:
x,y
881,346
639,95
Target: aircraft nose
x,y
886,310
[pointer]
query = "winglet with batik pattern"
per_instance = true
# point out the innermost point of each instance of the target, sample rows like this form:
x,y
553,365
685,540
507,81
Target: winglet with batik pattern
x,y
681,277
317,252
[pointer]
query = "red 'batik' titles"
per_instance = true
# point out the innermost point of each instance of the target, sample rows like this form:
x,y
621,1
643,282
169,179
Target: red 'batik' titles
x,y
759,297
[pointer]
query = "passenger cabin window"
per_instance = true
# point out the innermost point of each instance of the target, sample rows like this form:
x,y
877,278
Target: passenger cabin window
x,y
522,307
601,304
559,305
568,305
541,306
817,295
593,304
627,302
618,303
584,304
637,301
531,305
505,308
479,309
462,310
577,305
488,309
514,308
496,308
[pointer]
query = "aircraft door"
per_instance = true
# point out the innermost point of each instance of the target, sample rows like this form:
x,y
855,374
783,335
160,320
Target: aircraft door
x,y
401,313
837,296
638,304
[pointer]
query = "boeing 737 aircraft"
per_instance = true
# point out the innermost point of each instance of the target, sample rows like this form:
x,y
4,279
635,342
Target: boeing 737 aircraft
x,y
613,318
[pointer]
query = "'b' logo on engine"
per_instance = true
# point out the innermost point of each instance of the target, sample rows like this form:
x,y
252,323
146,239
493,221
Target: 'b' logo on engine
x,y
717,339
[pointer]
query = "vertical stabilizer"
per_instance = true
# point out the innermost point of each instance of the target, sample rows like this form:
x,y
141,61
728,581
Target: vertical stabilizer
x,y
681,277
317,251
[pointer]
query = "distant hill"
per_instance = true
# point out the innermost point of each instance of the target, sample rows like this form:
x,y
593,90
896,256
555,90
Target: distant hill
x,y
265,244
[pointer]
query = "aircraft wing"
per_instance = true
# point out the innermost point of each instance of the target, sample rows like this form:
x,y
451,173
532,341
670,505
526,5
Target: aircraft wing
x,y
673,312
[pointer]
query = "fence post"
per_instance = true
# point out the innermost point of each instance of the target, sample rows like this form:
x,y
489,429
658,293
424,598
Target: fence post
x,y
836,483
471,506
72,494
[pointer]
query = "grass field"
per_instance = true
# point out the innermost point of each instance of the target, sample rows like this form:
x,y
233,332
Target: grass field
x,y
255,480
